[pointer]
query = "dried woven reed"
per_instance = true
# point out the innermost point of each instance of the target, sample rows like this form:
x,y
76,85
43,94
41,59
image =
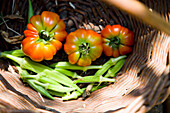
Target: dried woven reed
x,y
144,80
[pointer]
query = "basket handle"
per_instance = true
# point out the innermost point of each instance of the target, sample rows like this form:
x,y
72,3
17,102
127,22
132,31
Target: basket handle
x,y
140,11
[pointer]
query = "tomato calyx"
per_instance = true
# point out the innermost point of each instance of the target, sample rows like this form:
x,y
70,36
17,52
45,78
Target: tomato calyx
x,y
84,48
44,36
114,42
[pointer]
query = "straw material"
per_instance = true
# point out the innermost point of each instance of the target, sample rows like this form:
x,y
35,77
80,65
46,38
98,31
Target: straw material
x,y
142,83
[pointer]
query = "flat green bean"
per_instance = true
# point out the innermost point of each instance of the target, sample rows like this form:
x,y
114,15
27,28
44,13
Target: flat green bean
x,y
91,79
67,65
54,87
30,11
113,70
73,95
55,93
26,63
39,88
108,64
68,73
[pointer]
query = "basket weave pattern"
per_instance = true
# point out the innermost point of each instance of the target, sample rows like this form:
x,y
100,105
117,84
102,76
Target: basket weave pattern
x,y
142,83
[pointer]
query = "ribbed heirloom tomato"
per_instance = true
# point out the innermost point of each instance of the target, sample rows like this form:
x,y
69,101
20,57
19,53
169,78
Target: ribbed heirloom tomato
x,y
83,47
117,40
44,35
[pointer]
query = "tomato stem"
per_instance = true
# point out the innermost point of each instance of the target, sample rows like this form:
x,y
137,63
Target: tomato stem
x,y
84,48
44,35
114,42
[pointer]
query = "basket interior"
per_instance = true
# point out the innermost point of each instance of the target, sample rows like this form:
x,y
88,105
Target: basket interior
x,y
142,83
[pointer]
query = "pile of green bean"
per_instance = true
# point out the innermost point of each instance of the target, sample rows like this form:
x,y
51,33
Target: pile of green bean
x,y
59,79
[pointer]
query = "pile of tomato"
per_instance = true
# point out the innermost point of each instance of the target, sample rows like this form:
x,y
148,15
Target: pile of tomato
x,y
46,32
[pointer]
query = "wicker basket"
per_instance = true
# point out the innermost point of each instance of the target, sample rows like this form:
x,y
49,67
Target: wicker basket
x,y
143,82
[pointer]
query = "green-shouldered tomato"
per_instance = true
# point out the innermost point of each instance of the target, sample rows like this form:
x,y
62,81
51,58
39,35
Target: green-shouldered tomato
x,y
117,40
44,35
83,47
